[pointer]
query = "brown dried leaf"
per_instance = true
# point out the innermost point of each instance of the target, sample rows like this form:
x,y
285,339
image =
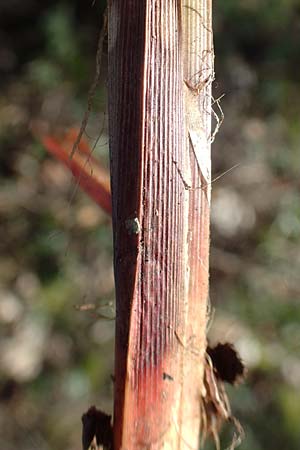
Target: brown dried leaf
x,y
215,406
96,424
227,363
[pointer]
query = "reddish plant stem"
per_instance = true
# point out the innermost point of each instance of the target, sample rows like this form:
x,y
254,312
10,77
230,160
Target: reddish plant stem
x,y
160,230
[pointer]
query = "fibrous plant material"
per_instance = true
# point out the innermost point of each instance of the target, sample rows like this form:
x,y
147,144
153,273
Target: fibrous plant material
x,y
160,134
93,87
222,364
198,74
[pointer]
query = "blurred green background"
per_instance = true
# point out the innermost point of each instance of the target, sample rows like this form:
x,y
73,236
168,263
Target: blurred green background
x,y
56,245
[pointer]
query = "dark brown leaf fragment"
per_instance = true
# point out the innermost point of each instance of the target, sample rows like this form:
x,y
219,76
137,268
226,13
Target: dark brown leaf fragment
x,y
227,363
96,424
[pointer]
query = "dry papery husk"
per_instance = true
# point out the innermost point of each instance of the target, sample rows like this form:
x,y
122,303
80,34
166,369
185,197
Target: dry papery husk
x,y
215,406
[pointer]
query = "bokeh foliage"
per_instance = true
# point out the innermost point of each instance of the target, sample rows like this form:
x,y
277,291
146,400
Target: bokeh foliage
x,y
56,247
